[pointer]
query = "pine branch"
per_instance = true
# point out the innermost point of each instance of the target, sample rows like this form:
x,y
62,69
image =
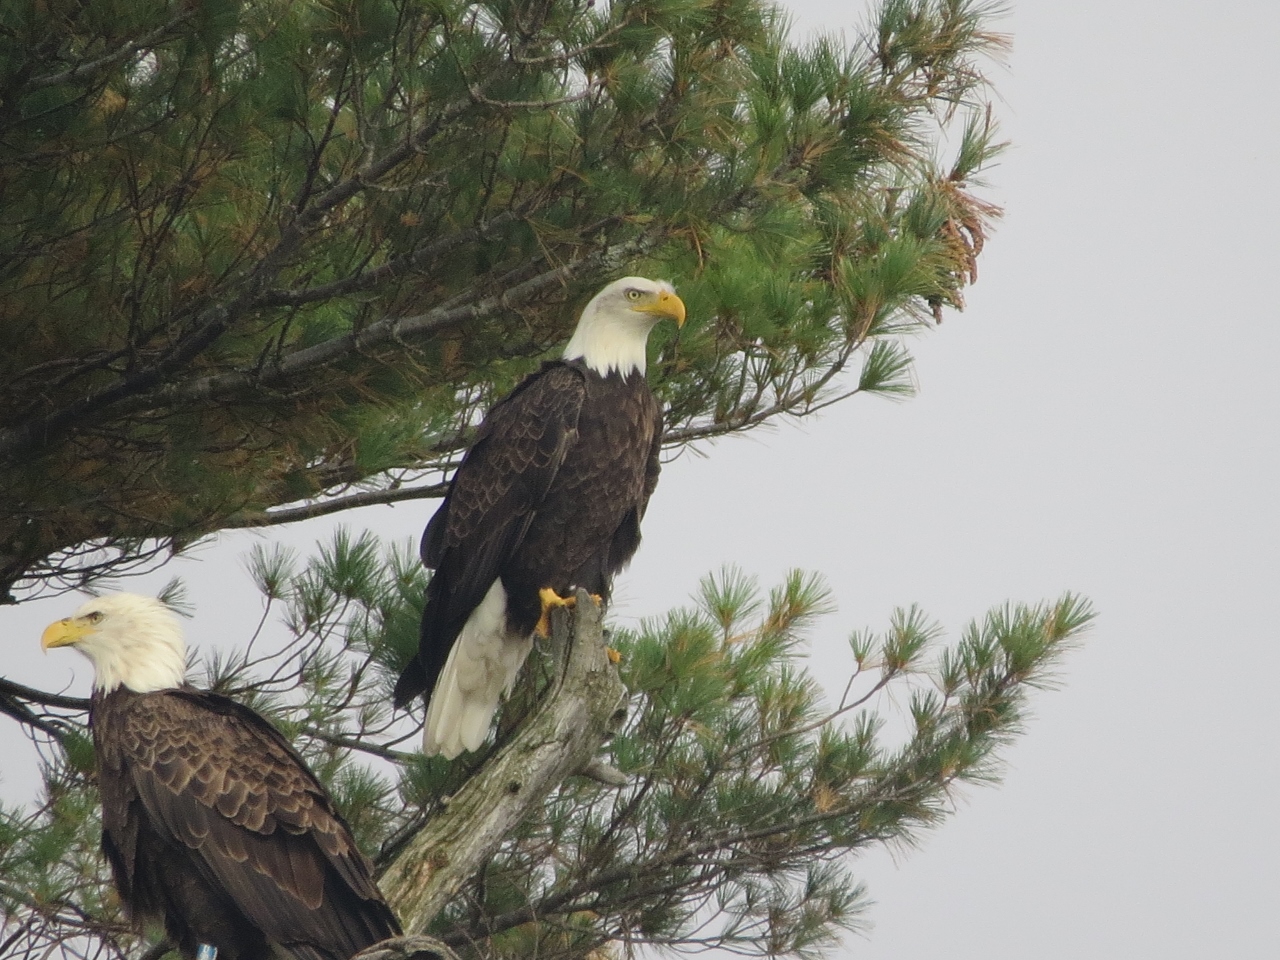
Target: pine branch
x,y
797,403
216,319
364,746
117,56
15,708
397,267
324,508
389,330
32,695
725,852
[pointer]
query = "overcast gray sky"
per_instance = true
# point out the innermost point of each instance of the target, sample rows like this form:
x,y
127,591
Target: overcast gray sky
x,y
1103,418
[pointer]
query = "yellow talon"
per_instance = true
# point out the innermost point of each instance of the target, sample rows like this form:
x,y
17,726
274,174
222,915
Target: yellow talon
x,y
550,600
614,656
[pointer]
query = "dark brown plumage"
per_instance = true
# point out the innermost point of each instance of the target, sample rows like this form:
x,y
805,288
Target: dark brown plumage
x,y
211,821
550,495
567,425
214,826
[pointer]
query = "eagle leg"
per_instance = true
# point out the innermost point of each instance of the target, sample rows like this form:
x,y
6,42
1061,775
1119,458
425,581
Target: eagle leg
x,y
550,600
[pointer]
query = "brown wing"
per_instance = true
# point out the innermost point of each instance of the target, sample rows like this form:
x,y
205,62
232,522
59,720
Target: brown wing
x,y
626,539
215,779
491,501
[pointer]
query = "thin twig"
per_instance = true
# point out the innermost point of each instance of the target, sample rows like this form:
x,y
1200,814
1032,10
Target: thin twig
x,y
116,56
41,697
322,508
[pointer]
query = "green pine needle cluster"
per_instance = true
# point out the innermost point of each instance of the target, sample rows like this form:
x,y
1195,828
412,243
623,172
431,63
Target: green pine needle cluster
x,y
749,788
283,254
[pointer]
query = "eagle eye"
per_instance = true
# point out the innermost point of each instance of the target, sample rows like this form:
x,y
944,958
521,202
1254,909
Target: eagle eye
x,y
633,294
95,617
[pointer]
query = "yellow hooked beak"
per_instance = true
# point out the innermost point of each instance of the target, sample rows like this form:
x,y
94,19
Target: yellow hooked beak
x,y
665,304
63,633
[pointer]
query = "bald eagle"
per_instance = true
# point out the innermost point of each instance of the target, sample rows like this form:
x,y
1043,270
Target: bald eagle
x,y
211,822
549,497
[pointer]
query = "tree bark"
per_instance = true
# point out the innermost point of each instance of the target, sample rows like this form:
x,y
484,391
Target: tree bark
x,y
561,738
407,948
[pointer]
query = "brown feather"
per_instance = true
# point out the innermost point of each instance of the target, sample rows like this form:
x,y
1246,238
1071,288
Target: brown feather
x,y
213,824
550,495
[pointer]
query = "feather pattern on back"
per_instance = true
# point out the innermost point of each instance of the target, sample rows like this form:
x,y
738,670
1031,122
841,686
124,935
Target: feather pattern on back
x,y
204,799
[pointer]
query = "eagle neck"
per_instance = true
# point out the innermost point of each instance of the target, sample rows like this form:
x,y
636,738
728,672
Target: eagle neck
x,y
608,347
614,359
140,664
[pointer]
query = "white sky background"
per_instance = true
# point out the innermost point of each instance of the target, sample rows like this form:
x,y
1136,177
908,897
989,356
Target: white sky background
x,y
1103,418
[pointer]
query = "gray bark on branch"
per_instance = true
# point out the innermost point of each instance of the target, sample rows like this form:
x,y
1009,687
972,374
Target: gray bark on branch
x,y
407,948
561,739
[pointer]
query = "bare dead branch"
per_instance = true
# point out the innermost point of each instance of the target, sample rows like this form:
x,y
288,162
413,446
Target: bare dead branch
x,y
560,738
32,695
479,97
407,948
322,508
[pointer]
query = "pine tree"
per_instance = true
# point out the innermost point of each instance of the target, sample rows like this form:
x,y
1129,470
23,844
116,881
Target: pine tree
x,y
264,262
283,253
707,796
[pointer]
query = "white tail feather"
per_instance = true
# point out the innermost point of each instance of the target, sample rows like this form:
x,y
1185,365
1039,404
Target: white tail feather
x,y
481,668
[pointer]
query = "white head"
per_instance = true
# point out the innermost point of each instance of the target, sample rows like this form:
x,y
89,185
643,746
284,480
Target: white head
x,y
130,640
615,325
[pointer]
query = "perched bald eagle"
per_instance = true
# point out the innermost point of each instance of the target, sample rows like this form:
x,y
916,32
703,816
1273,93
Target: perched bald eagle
x,y
211,822
549,498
